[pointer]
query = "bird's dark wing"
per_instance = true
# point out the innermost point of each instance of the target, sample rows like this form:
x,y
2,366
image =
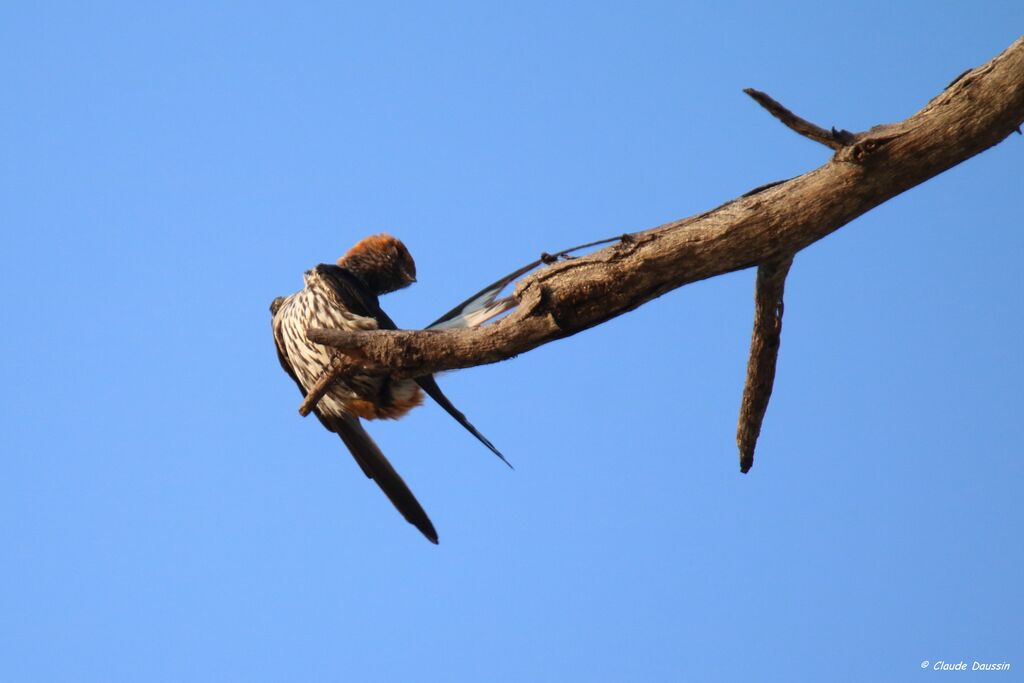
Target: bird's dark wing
x,y
377,467
354,295
351,291
485,305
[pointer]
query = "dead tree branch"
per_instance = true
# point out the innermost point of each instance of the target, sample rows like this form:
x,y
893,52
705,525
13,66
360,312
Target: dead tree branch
x,y
764,352
835,139
975,112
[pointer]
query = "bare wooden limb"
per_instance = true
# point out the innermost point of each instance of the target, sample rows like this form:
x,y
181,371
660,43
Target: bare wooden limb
x,y
764,352
836,139
973,114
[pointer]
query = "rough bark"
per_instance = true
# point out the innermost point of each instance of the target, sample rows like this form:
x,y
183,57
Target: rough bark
x,y
764,353
765,226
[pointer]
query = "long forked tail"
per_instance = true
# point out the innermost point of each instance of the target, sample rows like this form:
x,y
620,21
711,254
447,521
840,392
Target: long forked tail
x,y
377,467
429,385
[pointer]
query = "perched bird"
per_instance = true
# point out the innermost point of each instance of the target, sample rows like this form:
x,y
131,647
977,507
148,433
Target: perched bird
x,y
344,296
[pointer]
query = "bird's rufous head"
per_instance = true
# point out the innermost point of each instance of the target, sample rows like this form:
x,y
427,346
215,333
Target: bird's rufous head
x,y
382,262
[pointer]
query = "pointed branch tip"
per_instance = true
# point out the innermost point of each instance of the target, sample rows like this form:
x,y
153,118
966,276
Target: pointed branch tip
x,y
337,368
833,139
764,354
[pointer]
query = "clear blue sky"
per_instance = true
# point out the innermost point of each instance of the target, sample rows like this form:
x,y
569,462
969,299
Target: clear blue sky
x,y
167,169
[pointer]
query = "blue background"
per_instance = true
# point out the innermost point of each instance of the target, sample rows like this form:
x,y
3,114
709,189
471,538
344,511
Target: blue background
x,y
166,514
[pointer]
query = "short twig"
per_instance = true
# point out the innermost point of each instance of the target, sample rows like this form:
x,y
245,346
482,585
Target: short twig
x,y
338,367
957,79
834,139
766,186
764,352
